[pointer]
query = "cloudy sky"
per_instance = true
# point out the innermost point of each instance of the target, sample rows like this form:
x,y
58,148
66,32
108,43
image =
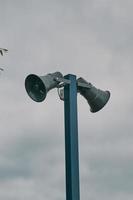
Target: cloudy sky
x,y
89,38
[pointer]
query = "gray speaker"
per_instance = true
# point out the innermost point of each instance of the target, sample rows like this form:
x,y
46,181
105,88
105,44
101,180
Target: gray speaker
x,y
37,87
96,98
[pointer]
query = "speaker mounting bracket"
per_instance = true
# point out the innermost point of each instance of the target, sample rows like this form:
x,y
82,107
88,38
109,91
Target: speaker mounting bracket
x,y
62,81
84,85
80,83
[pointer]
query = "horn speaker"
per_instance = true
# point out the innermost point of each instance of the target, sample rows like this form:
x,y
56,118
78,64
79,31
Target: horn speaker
x,y
96,98
37,87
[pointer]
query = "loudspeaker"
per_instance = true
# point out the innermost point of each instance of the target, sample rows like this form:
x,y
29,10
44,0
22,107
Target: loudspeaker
x,y
96,98
37,87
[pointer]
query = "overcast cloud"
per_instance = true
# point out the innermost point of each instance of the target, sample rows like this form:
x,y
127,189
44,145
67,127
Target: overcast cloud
x,y
92,39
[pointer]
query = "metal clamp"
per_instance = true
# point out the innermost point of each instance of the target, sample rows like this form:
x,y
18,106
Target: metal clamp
x,y
62,81
84,85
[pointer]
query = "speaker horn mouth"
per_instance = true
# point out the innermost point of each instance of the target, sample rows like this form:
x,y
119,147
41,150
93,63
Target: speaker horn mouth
x,y
35,88
95,107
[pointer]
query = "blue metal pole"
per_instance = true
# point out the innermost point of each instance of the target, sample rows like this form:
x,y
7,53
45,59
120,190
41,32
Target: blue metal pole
x,y
71,139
